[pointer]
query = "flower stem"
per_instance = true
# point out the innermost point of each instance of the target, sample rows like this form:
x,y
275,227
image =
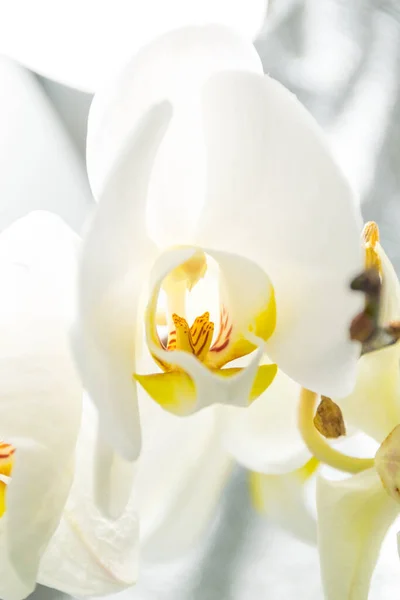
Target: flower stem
x,y
318,446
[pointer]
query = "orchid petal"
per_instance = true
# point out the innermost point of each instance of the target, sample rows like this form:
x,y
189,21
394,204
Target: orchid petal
x,y
387,463
390,302
35,501
36,496
263,379
175,391
41,395
12,586
174,67
265,436
42,38
40,168
181,474
285,205
374,405
283,498
113,267
353,518
209,386
113,479
90,554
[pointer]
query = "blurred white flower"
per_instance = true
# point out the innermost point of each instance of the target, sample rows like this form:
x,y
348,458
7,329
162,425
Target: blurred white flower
x,y
354,514
51,532
40,400
285,499
41,394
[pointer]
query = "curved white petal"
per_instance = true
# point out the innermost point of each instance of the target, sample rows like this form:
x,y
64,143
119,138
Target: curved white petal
x,y
37,271
114,260
353,518
40,168
12,587
174,67
204,386
40,393
90,554
35,499
374,404
27,526
390,309
265,436
285,500
181,473
387,463
276,196
36,496
113,479
41,38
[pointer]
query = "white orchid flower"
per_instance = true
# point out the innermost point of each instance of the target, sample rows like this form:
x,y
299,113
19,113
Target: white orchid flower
x,y
40,404
277,446
200,163
105,33
53,533
354,514
40,393
50,532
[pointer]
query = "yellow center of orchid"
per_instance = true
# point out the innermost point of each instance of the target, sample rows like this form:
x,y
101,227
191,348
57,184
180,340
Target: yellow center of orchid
x,y
174,388
6,464
196,339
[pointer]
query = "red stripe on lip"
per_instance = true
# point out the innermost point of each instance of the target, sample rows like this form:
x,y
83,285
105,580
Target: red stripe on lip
x,y
3,453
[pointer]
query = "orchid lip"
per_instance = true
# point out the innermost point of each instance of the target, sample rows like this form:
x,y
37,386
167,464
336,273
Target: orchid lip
x,y
194,355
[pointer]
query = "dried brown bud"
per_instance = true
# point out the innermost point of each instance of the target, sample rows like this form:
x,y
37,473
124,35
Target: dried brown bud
x,y
362,327
328,419
365,326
